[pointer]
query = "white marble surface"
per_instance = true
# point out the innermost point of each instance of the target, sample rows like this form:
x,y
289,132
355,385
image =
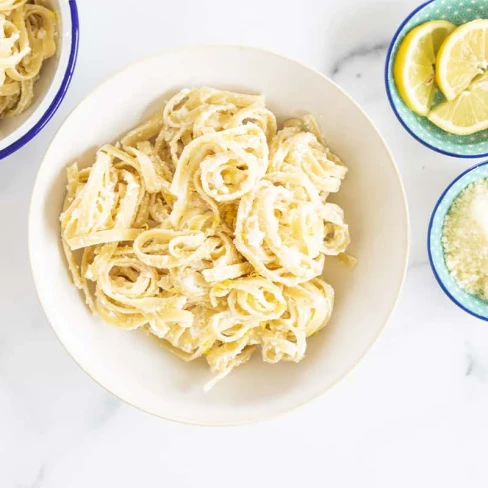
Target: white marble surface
x,y
414,413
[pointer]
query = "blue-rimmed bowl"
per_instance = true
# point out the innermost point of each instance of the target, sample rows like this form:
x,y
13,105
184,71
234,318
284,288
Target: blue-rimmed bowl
x,y
52,85
458,12
469,303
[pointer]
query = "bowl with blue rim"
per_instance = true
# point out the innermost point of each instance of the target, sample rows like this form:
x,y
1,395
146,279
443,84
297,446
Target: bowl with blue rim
x,y
52,86
458,12
472,304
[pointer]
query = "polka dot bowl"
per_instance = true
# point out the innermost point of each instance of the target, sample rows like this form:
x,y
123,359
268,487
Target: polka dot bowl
x,y
469,303
458,12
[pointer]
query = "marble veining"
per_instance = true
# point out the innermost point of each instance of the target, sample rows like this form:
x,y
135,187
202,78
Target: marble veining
x,y
469,364
360,52
475,367
107,409
37,483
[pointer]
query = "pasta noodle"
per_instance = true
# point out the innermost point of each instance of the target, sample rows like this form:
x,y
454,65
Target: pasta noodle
x,y
207,228
27,38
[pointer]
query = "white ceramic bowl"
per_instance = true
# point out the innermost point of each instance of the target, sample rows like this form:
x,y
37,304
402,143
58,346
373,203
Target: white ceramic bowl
x,y
135,368
52,85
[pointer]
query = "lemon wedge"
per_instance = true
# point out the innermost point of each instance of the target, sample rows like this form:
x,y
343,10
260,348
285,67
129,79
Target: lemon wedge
x,y
462,56
413,70
466,114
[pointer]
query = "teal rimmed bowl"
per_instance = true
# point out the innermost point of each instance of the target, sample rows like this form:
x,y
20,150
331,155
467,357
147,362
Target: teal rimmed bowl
x,y
458,12
469,303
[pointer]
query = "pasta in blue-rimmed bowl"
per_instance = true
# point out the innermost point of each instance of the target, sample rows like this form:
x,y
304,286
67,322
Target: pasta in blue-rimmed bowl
x,y
39,49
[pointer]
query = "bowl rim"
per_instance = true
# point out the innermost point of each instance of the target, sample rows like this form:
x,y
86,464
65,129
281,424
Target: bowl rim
x,y
390,97
61,93
401,281
429,247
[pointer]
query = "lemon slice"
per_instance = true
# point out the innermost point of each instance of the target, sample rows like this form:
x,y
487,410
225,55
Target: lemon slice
x,y
462,57
466,114
414,64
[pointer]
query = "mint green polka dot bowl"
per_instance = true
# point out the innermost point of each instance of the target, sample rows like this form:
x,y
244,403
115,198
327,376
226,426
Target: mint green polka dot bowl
x,y
458,12
469,303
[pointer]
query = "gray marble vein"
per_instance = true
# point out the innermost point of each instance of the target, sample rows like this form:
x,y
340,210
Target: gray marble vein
x,y
474,367
108,407
38,480
359,52
469,365
418,264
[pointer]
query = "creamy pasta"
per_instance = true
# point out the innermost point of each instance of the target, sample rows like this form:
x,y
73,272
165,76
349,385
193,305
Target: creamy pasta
x,y
27,38
207,228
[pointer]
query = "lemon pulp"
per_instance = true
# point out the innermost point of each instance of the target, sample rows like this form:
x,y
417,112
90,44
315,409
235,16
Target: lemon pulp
x,y
462,56
467,113
414,71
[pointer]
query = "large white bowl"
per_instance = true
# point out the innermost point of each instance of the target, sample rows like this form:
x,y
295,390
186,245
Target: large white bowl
x,y
141,372
52,85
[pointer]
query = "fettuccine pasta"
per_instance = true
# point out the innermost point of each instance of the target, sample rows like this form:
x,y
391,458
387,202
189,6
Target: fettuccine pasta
x,y
207,228
27,38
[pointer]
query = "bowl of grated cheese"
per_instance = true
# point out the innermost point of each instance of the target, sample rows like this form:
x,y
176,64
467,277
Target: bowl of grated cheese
x,y
458,241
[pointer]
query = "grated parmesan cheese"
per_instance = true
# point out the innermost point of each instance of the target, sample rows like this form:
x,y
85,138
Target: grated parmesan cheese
x,y
465,239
